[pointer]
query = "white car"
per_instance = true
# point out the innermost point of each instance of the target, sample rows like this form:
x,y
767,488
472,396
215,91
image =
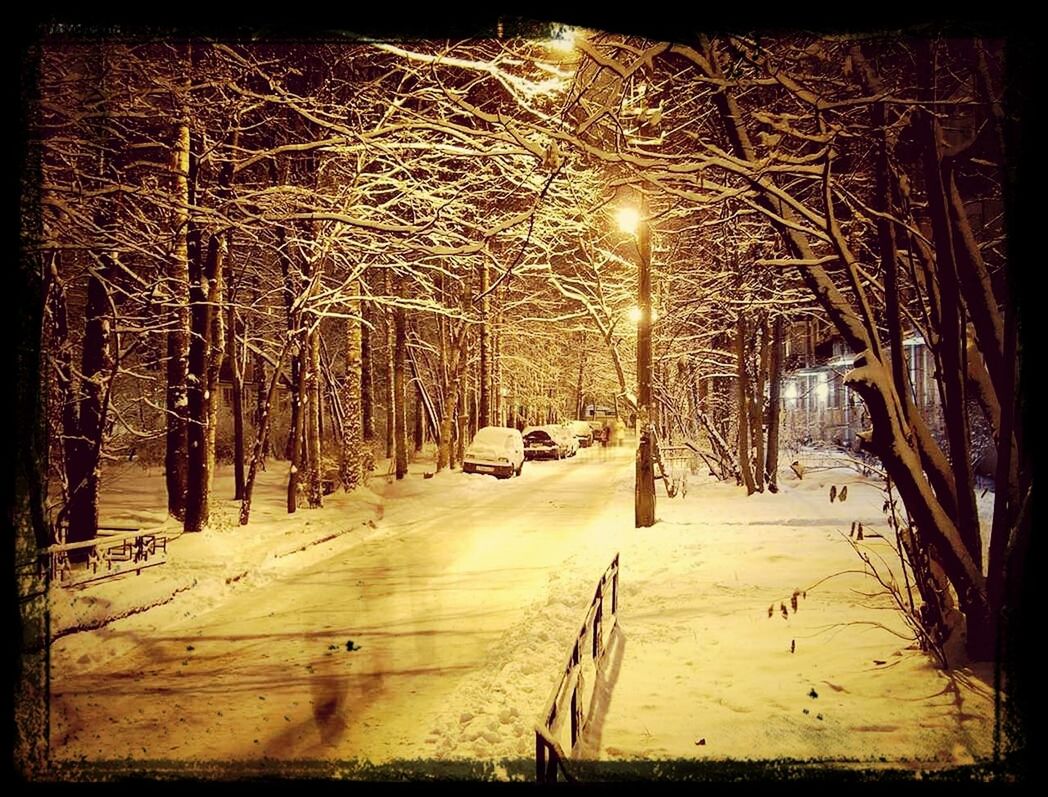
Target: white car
x,y
568,440
498,450
583,433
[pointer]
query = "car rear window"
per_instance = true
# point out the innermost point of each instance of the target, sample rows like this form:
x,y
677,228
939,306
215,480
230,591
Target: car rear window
x,y
538,436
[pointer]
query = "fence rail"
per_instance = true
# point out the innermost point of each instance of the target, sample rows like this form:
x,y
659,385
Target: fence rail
x,y
116,550
570,691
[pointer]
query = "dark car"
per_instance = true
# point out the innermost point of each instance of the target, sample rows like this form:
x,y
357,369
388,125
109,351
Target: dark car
x,y
539,444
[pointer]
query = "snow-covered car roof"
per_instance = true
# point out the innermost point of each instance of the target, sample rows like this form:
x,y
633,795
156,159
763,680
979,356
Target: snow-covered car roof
x,y
493,433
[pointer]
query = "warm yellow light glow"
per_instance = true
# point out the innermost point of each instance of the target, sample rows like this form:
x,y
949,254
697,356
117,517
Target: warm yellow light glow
x,y
562,39
822,388
636,314
563,42
628,219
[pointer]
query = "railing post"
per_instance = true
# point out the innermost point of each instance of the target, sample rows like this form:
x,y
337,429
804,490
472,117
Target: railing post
x,y
540,758
597,622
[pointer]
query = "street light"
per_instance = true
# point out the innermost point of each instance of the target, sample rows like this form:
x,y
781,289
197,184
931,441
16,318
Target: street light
x,y
633,221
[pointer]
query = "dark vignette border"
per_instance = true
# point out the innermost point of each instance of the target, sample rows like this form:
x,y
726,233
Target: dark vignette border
x,y
22,467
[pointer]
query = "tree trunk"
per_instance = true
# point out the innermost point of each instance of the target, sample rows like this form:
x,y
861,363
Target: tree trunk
x,y
419,425
757,406
456,369
953,331
743,391
352,459
484,380
399,403
263,398
367,385
205,345
265,404
499,417
236,333
217,301
175,455
390,392
313,408
201,272
462,428
298,422
84,440
580,404
774,405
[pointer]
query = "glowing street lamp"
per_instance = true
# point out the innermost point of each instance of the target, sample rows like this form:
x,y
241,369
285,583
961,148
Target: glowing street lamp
x,y
633,221
636,314
563,41
628,219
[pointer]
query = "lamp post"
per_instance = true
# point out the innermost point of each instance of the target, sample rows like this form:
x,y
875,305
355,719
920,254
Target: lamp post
x,y
636,223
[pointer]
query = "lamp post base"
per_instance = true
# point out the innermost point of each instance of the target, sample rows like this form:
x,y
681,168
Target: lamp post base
x,y
644,491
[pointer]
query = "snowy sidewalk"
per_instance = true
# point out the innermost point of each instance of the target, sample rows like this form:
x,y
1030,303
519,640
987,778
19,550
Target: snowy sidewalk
x,y
203,569
706,673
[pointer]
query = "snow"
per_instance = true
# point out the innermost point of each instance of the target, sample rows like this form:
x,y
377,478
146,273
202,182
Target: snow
x,y
430,618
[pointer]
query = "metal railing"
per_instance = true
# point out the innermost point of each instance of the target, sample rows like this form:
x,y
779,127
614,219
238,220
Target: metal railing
x,y
118,549
570,691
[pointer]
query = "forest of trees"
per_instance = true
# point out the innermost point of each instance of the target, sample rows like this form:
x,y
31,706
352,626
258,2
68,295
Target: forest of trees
x,y
373,245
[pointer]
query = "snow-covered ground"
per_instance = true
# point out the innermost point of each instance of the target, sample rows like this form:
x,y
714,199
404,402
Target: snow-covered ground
x,y
429,619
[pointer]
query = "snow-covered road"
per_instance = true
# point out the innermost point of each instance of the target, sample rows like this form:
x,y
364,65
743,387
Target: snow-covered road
x,y
354,655
427,619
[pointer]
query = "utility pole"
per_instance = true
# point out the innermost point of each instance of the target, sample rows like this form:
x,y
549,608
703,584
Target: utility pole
x,y
644,492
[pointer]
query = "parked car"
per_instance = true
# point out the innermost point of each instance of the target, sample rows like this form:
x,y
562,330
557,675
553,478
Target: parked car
x,y
567,438
583,433
498,450
540,442
599,430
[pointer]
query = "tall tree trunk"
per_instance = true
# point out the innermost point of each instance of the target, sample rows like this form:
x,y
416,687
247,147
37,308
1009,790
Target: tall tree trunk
x,y
175,455
499,416
206,296
352,459
456,369
262,402
484,381
217,301
419,425
953,331
236,363
757,405
367,384
298,422
311,431
297,365
399,403
263,414
390,392
201,272
774,405
743,391
462,429
580,405
83,456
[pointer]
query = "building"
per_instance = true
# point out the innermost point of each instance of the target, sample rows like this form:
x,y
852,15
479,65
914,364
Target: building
x,y
818,407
